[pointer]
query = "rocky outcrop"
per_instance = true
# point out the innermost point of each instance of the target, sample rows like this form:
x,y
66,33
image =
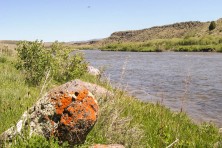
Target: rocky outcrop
x,y
67,112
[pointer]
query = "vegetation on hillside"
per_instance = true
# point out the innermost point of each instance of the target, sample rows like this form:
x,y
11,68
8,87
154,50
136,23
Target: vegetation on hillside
x,y
212,25
122,118
185,36
178,30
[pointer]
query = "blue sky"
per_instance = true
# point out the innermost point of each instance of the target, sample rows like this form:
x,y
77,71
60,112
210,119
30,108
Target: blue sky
x,y
76,20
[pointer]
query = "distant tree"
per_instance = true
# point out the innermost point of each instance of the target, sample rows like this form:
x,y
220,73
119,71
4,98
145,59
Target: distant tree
x,y
212,25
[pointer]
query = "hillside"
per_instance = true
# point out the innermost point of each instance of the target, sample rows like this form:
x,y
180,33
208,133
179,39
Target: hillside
x,y
177,30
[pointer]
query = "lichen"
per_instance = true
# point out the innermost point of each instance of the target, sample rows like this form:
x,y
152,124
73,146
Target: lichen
x,y
77,112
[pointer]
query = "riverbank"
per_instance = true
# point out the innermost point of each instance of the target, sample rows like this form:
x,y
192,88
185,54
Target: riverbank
x,y
191,44
122,119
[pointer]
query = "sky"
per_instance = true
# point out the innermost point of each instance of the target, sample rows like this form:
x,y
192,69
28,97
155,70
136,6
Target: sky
x,y
79,20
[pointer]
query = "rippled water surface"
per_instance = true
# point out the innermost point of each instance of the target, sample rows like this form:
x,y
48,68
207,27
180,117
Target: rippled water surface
x,y
191,81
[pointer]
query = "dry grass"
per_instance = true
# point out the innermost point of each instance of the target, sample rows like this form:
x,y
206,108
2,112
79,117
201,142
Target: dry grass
x,y
8,49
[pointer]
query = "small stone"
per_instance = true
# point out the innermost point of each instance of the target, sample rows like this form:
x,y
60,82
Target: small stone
x,y
93,71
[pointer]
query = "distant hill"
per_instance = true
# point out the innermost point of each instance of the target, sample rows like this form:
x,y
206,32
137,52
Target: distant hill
x,y
177,30
8,42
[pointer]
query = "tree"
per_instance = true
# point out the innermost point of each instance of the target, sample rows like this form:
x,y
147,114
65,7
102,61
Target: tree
x,y
212,25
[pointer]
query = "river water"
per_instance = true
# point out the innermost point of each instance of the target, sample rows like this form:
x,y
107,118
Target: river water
x,y
188,81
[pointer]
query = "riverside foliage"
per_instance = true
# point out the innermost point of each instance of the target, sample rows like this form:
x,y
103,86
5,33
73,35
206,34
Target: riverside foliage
x,y
187,44
36,62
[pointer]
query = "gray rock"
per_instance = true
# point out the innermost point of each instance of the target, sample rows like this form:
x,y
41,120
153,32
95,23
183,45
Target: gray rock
x,y
93,71
68,112
97,90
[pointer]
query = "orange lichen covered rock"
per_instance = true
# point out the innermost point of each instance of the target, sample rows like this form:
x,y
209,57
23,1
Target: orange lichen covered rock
x,y
78,115
67,112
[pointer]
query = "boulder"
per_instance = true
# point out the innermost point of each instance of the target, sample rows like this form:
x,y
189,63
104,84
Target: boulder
x,y
67,112
98,91
93,71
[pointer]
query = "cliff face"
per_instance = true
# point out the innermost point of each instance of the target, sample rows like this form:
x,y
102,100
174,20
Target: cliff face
x,y
177,30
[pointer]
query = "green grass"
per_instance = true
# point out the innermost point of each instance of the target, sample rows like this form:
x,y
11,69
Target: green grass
x,y
15,95
190,44
128,121
122,119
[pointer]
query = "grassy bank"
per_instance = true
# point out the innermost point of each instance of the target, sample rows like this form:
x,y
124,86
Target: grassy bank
x,y
189,44
122,118
15,95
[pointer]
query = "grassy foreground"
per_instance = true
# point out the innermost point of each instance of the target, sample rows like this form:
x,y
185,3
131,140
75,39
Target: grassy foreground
x,y
122,119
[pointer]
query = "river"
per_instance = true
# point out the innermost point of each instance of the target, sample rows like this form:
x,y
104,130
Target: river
x,y
188,81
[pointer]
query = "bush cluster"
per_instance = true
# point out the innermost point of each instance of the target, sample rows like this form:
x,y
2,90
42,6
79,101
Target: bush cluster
x,y
212,25
36,61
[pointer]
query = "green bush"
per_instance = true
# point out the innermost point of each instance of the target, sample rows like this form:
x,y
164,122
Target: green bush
x,y
66,66
36,61
212,25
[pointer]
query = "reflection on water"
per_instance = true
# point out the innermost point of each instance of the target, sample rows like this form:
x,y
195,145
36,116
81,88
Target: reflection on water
x,y
192,81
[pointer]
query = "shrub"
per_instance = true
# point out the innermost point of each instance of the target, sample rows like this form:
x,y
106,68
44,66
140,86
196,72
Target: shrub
x,y
66,66
212,25
35,60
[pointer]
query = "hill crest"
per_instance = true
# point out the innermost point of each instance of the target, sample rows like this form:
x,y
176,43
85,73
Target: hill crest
x,y
176,30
